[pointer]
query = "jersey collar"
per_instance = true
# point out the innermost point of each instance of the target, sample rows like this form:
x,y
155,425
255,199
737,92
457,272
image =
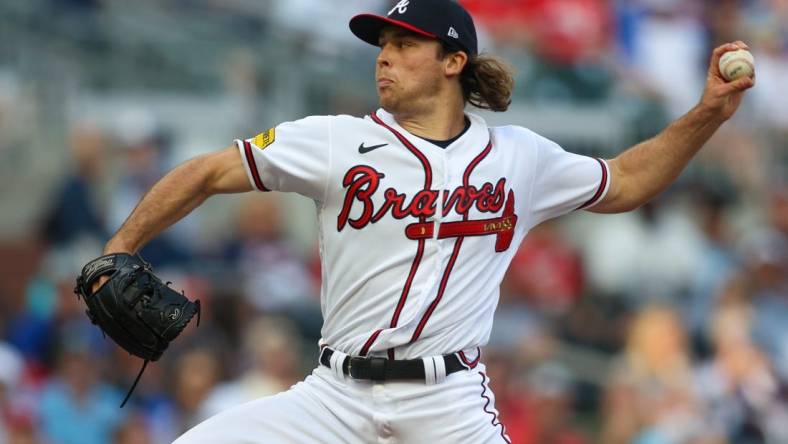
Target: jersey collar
x,y
476,137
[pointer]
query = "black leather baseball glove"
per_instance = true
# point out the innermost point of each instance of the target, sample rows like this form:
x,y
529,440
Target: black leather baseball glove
x,y
134,308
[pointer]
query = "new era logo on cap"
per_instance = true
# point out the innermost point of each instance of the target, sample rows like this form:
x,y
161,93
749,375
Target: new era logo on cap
x,y
453,33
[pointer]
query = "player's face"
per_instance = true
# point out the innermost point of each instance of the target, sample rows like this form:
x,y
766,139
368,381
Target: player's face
x,y
408,72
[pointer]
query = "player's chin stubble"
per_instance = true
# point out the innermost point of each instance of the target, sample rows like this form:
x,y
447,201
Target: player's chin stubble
x,y
396,101
388,101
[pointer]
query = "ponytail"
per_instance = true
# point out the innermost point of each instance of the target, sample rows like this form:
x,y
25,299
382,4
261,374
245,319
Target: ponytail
x,y
487,83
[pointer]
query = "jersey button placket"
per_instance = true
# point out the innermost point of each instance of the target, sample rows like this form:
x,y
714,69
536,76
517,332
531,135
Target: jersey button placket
x,y
441,179
443,191
382,417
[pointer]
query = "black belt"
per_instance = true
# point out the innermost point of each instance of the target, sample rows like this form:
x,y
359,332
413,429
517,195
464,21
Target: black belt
x,y
383,369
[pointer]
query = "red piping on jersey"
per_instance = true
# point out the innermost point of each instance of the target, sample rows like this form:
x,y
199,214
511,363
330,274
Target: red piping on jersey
x,y
425,163
601,189
457,244
422,158
253,166
494,415
406,288
365,348
441,289
471,364
405,291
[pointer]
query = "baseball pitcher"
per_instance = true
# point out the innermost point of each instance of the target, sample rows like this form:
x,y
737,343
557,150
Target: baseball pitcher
x,y
421,207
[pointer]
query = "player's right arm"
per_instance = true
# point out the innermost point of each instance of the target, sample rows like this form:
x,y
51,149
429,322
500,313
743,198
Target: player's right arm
x,y
178,193
292,157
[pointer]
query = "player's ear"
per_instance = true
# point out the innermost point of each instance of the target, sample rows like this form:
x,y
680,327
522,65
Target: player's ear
x,y
454,62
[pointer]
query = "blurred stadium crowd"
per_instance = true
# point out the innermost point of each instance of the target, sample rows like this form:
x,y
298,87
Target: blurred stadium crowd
x,y
667,325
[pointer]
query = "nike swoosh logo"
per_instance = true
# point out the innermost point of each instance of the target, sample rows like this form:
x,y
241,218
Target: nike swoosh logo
x,y
365,149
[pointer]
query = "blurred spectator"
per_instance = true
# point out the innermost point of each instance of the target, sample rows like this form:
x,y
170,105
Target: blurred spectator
x,y
564,32
322,36
597,321
74,214
546,272
11,366
744,399
80,20
144,148
770,49
668,49
77,407
549,415
650,398
8,93
766,252
717,258
647,255
242,80
502,19
519,326
9,98
49,305
133,431
544,280
575,66
275,278
16,158
569,32
502,371
31,329
734,161
194,377
273,347
570,39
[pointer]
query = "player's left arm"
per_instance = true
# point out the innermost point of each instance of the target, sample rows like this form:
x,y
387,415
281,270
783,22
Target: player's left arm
x,y
648,168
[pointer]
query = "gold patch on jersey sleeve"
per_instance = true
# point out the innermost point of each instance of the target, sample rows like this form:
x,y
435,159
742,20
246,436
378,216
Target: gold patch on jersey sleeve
x,y
262,140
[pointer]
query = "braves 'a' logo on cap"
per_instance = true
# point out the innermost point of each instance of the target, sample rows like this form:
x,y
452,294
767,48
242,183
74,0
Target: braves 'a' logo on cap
x,y
400,7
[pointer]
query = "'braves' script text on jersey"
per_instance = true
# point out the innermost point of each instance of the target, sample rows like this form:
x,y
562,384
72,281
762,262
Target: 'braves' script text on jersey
x,y
415,238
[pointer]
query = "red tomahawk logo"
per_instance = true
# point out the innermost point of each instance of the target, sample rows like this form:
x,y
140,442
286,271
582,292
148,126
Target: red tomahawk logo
x,y
502,227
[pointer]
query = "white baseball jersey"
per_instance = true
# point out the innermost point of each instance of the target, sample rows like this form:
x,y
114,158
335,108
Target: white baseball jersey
x,y
414,238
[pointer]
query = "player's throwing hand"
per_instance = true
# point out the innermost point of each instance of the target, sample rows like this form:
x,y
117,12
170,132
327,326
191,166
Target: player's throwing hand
x,y
721,96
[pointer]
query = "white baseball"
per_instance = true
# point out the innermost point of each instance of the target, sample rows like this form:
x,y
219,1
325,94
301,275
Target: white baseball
x,y
737,64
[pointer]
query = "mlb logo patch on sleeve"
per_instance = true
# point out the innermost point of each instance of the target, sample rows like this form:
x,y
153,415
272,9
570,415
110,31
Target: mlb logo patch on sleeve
x,y
262,140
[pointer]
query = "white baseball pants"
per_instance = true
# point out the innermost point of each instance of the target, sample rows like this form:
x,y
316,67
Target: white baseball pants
x,y
330,408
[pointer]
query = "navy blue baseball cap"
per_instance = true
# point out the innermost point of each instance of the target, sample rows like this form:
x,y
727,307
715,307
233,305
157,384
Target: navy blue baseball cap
x,y
444,20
